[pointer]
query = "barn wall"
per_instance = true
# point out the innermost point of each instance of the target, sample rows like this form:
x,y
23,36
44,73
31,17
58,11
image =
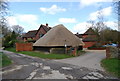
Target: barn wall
x,y
43,49
57,50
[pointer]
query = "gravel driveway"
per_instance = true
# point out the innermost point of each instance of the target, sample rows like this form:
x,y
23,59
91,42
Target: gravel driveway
x,y
91,59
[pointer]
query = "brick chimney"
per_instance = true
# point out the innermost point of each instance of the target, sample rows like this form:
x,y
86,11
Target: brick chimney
x,y
46,24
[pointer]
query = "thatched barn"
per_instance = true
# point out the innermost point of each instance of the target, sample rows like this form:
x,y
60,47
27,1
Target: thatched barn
x,y
58,37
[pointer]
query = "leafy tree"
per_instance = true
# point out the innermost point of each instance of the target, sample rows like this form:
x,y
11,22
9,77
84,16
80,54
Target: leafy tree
x,y
110,35
10,40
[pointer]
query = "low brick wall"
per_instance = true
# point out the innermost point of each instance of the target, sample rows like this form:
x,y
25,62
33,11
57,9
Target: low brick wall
x,y
112,52
88,44
24,46
97,48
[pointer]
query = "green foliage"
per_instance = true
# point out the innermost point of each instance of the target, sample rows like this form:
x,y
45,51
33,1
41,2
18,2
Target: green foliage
x,y
41,54
112,66
9,40
109,35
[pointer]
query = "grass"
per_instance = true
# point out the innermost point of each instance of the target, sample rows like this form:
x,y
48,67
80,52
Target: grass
x,y
40,54
4,60
112,66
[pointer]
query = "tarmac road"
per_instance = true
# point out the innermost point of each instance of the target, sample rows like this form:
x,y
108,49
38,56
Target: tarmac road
x,y
27,67
91,59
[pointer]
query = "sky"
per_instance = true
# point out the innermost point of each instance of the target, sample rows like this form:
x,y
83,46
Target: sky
x,y
74,15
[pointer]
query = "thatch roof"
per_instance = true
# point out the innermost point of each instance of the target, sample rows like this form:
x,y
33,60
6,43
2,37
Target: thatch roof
x,y
58,36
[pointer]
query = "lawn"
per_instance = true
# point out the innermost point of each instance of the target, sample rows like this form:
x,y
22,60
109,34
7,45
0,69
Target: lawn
x,y
112,66
4,60
41,54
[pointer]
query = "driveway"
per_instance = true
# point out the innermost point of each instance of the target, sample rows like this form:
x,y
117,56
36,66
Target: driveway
x,y
91,59
27,67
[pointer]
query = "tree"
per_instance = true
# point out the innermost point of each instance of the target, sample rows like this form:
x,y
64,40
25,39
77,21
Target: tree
x,y
116,6
10,40
98,26
3,13
17,29
3,25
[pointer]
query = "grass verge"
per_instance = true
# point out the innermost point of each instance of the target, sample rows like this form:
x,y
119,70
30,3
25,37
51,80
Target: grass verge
x,y
112,66
5,61
40,54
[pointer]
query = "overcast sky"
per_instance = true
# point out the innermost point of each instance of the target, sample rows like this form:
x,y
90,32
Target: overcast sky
x,y
73,15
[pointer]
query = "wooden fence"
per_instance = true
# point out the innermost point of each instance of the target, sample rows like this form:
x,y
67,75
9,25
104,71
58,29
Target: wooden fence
x,y
24,46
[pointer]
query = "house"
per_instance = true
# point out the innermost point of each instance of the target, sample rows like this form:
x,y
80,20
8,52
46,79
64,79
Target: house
x,y
34,35
89,38
58,37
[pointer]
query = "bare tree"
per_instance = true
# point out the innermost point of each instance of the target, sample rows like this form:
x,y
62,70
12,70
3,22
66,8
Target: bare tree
x,y
3,13
18,29
3,25
99,25
116,6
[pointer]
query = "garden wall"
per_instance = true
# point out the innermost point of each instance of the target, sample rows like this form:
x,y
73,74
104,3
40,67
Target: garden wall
x,y
112,52
24,46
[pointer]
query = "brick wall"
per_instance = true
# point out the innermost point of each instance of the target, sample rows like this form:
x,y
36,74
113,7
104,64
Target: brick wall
x,y
24,46
41,30
88,44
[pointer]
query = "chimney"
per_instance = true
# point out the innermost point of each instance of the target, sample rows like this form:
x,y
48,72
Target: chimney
x,y
46,24
77,33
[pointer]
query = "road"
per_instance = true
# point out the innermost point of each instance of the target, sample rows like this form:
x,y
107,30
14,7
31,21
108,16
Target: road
x,y
27,67
91,59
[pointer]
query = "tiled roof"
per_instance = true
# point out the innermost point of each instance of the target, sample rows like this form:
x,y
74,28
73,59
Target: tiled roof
x,y
90,31
79,35
34,32
30,33
46,28
89,38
